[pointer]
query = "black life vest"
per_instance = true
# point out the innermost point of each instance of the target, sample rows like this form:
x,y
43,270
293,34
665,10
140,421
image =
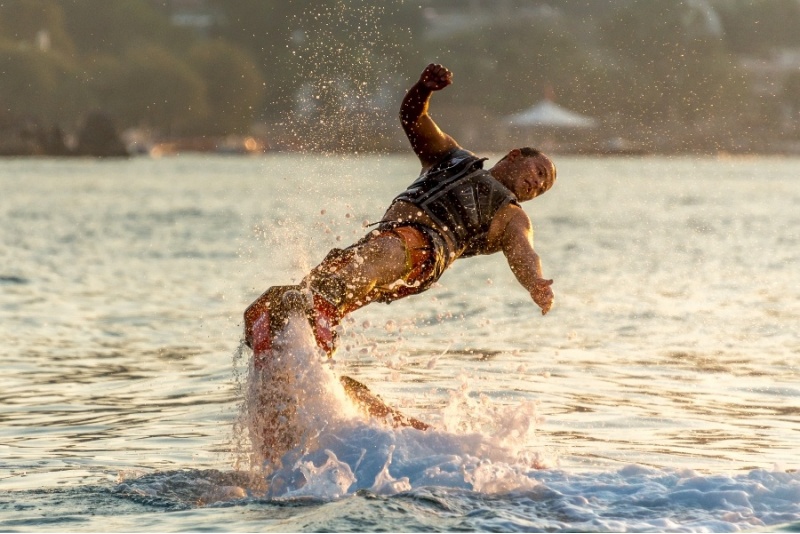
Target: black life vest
x,y
462,199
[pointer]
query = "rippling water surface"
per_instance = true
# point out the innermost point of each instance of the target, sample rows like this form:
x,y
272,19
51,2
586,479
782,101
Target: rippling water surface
x,y
661,393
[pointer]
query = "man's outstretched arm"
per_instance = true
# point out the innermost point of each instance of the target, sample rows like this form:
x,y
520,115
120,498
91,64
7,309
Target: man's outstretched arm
x,y
523,259
428,141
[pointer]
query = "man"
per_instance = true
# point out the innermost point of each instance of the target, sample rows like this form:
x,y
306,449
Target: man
x,y
454,209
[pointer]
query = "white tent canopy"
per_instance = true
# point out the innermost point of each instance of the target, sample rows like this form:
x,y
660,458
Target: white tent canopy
x,y
547,113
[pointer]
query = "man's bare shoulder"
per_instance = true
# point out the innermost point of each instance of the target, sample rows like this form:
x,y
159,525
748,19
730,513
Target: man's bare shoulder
x,y
515,216
510,220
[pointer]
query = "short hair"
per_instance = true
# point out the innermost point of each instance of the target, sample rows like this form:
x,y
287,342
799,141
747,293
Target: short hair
x,y
527,152
530,152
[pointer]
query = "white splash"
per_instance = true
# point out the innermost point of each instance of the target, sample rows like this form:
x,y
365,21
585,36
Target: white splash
x,y
329,481
294,397
385,483
314,444
506,431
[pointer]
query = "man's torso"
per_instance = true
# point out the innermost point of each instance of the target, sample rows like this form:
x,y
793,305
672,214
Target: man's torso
x,y
459,200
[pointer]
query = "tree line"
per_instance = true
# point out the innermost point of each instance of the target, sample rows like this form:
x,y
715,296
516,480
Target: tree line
x,y
332,68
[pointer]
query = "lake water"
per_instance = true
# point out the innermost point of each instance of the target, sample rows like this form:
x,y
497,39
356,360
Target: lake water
x,y
661,393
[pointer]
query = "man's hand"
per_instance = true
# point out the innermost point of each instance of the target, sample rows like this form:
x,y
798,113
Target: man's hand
x,y
435,77
542,294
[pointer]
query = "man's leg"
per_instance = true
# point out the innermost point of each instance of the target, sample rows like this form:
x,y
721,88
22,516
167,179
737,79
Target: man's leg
x,y
346,282
339,285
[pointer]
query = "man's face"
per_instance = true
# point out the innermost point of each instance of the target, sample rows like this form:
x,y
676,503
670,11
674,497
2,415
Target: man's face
x,y
532,176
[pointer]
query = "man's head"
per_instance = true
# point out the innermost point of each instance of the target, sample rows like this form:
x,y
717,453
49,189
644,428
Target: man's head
x,y
527,172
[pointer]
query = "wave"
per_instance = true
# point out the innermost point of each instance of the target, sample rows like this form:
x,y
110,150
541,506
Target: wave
x,y
632,498
311,441
310,447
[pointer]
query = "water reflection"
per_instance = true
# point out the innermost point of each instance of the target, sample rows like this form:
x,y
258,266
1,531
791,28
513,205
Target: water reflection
x,y
120,310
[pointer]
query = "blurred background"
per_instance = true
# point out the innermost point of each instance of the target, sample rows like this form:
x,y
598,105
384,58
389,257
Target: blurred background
x,y
100,77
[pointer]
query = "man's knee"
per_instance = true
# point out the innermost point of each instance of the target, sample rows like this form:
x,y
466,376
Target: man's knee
x,y
331,287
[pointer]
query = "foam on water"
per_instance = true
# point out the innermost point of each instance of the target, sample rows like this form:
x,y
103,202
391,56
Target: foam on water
x,y
478,459
483,495
474,472
311,442
691,372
